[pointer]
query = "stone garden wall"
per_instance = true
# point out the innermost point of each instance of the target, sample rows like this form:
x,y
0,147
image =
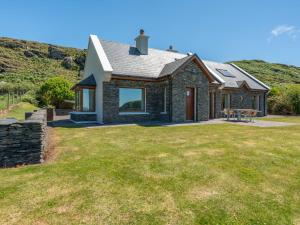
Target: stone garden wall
x,y
23,142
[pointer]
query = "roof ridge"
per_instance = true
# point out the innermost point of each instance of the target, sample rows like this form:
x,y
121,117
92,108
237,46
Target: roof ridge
x,y
156,49
249,75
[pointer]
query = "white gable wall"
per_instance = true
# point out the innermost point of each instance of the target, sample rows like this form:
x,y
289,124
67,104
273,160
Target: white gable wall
x,y
97,64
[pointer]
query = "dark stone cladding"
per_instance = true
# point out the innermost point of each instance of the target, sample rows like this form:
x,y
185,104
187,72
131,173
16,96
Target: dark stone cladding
x,y
83,117
242,99
154,101
23,142
189,76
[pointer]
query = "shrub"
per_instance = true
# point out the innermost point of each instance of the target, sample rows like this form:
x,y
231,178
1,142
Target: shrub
x,y
284,99
54,91
30,97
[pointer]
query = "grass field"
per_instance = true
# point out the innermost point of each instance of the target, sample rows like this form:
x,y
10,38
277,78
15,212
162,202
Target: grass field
x,y
289,119
18,112
3,102
210,174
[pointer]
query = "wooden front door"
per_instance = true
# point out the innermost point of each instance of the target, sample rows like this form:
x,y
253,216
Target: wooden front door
x,y
190,103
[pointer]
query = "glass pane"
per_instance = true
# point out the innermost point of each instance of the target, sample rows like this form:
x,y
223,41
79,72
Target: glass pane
x,y
254,102
78,100
86,100
131,100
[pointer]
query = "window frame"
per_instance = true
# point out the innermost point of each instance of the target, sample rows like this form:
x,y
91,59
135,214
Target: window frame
x,y
254,102
144,99
79,99
227,99
164,102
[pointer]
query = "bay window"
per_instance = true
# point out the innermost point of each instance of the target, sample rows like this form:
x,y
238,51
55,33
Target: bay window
x,y
85,100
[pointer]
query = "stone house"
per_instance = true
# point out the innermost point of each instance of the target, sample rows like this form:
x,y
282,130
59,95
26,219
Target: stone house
x,y
124,83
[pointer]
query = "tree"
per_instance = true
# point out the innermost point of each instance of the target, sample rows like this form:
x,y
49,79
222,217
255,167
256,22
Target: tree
x,y
54,91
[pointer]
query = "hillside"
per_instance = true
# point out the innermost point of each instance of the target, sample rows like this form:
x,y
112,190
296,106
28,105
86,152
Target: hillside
x,y
33,62
271,73
28,61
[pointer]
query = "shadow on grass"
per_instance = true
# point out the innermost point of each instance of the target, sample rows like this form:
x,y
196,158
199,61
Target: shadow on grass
x,y
69,124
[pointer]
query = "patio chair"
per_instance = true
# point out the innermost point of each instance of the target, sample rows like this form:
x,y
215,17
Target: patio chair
x,y
231,113
253,114
226,114
244,114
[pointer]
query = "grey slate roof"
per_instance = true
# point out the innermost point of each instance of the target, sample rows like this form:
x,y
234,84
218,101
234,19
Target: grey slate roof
x,y
89,81
127,61
233,82
173,66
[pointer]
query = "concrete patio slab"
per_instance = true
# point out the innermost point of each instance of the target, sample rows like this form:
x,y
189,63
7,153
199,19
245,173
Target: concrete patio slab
x,y
262,123
65,122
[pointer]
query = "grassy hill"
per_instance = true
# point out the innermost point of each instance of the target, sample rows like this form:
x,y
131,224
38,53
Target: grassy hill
x,y
33,62
28,61
271,73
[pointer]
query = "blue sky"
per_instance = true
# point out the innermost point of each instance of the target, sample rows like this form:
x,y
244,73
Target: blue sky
x,y
215,30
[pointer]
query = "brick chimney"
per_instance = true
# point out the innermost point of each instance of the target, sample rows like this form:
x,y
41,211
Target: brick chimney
x,y
141,43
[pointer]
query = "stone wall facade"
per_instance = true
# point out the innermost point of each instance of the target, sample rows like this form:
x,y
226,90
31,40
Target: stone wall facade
x,y
154,94
189,76
242,99
23,142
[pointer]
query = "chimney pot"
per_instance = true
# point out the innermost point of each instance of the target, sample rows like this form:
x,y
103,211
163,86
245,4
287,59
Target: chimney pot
x,y
170,49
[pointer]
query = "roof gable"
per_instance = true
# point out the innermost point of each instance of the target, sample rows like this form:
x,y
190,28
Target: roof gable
x,y
243,83
238,75
126,61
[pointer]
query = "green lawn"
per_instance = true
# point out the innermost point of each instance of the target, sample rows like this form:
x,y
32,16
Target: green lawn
x,y
3,102
289,119
19,110
210,174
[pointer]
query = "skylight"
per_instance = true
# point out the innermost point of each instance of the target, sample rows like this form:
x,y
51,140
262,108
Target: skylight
x,y
225,73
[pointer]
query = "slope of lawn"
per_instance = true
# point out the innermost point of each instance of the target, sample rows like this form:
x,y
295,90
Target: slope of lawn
x,y
210,174
18,112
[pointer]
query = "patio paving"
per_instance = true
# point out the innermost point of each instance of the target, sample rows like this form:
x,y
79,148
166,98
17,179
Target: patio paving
x,y
262,123
64,121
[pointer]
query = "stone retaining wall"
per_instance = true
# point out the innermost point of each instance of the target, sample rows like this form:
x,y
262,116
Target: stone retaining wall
x,y
23,142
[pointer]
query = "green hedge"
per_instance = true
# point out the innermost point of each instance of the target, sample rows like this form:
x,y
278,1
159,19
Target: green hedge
x,y
284,99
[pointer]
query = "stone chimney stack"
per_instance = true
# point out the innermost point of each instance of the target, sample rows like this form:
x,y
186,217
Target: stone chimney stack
x,y
141,43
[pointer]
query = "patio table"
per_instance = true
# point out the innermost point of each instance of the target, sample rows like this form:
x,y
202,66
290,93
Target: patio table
x,y
239,112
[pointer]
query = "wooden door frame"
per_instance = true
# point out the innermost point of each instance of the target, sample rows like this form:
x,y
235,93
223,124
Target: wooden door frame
x,y
212,115
194,106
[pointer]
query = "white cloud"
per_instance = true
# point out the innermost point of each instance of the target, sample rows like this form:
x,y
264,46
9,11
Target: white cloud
x,y
290,31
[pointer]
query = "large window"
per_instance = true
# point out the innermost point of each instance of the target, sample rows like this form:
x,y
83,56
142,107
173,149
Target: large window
x,y
85,100
259,102
254,102
132,100
226,98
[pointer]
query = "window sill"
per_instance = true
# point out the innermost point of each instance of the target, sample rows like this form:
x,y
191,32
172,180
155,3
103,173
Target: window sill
x,y
164,113
133,113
